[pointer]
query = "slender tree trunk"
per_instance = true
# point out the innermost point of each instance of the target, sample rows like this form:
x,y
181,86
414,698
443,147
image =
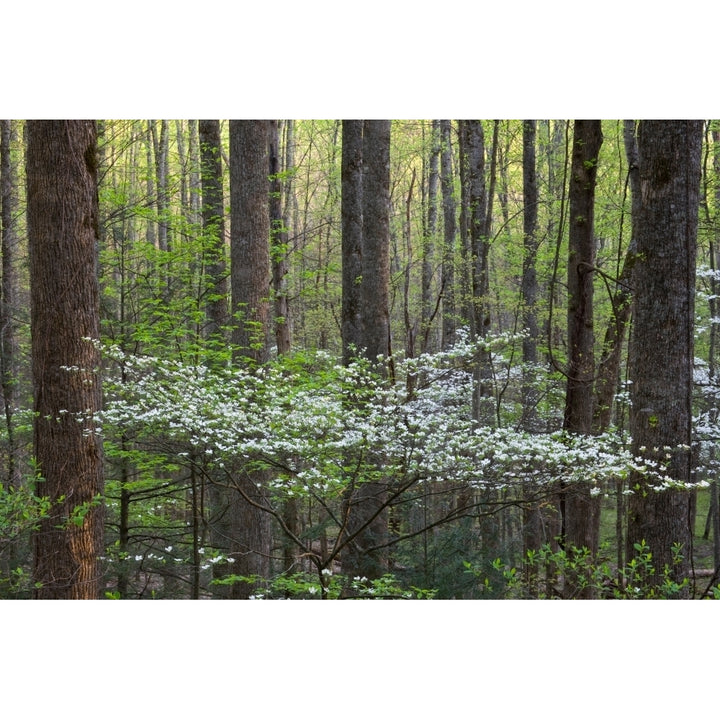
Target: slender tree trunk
x,y
427,304
352,238
63,232
532,513
662,345
194,181
530,288
279,245
581,514
714,511
213,218
161,148
479,215
8,297
608,371
449,236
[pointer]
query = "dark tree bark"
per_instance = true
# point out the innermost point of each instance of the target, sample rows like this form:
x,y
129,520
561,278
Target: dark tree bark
x,y
428,245
608,370
279,245
376,239
449,320
279,205
661,344
529,277
213,219
352,238
476,200
366,519
250,527
161,149
63,234
250,238
581,510
714,510
8,296
479,216
533,537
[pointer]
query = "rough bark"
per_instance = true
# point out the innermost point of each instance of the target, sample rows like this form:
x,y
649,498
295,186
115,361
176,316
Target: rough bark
x,y
479,217
428,246
529,286
533,537
213,219
449,321
661,345
250,527
63,234
250,238
8,296
608,370
581,510
376,239
366,210
352,238
279,245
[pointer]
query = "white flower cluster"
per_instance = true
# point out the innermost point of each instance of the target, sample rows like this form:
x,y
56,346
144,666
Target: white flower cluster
x,y
322,426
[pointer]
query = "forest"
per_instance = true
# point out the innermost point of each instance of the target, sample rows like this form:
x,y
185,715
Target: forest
x,y
359,359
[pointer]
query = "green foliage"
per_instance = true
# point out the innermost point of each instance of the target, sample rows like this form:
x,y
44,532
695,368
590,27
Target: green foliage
x,y
329,586
20,514
545,572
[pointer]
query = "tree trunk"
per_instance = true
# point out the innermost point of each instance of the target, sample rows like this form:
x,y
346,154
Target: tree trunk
x,y
661,345
63,234
213,218
532,512
529,286
449,236
428,246
250,238
478,215
8,297
364,504
251,530
279,245
352,238
376,239
609,367
581,511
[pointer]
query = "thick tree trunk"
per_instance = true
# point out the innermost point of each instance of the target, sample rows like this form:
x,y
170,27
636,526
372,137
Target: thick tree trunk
x,y
250,238
661,345
250,526
376,239
366,522
63,235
